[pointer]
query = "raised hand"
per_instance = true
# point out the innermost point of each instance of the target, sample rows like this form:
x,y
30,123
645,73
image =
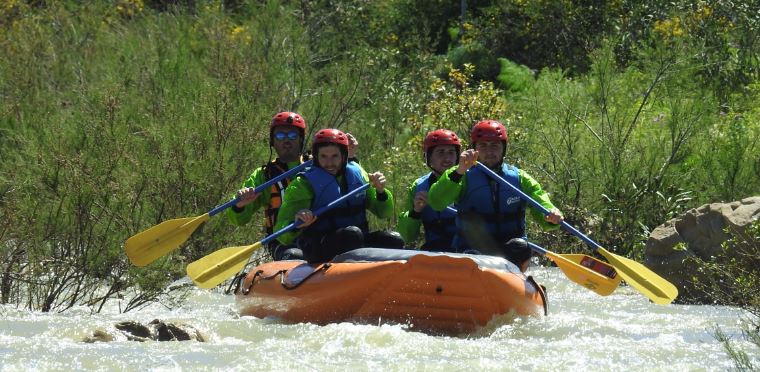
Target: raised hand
x,y
353,143
377,180
420,201
467,160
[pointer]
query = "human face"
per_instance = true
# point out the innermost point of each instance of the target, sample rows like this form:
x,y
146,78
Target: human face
x,y
288,146
443,157
282,135
330,159
490,152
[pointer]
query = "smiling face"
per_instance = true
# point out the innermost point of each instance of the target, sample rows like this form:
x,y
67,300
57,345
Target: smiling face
x,y
330,159
443,157
490,153
288,148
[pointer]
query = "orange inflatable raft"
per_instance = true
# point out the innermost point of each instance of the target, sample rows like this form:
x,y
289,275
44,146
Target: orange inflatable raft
x,y
432,292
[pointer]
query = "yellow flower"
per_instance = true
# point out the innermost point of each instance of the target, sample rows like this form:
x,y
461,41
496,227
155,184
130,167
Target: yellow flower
x,y
237,30
458,78
669,28
703,13
129,8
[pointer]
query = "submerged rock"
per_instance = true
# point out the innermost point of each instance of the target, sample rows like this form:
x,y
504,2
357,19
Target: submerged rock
x,y
174,332
156,330
699,233
99,336
135,331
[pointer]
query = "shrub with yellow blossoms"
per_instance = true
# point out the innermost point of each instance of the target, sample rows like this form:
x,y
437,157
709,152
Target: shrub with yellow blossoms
x,y
129,8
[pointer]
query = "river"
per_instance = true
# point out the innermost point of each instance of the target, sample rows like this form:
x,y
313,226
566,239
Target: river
x,y
584,331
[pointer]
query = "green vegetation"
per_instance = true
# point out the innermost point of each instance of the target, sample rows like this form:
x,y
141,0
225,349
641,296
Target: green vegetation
x,y
734,278
115,116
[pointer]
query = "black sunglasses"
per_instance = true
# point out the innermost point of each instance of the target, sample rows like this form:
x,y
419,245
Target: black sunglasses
x,y
281,136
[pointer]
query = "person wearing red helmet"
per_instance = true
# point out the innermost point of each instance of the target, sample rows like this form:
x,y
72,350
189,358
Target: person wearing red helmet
x,y
491,217
441,149
344,227
286,136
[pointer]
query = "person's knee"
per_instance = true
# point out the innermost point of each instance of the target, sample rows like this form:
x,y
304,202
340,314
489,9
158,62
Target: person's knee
x,y
518,252
289,254
386,239
281,252
393,240
349,238
340,241
323,249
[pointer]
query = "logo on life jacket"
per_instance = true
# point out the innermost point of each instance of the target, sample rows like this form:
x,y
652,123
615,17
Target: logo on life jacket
x,y
513,200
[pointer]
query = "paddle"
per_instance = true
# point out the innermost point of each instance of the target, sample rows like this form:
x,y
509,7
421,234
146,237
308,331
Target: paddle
x,y
582,269
213,269
654,287
147,246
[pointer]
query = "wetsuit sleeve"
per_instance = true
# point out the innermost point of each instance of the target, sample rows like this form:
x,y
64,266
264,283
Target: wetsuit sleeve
x,y
380,205
445,190
298,195
241,217
532,188
409,222
380,208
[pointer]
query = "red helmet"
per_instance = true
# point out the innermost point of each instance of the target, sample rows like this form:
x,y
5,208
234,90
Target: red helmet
x,y
488,130
289,119
440,137
331,136
325,137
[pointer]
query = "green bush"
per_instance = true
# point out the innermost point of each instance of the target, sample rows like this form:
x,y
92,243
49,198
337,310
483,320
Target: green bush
x,y
113,122
735,280
486,65
594,137
513,77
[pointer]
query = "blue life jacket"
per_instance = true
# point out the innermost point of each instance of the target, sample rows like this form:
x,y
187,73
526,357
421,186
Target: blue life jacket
x,y
489,210
351,212
440,227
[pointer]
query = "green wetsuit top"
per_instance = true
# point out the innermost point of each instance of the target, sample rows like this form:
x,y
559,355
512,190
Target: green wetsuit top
x,y
409,222
241,217
300,194
445,191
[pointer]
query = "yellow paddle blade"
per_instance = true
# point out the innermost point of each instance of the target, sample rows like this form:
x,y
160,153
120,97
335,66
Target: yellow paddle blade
x,y
573,267
657,289
213,269
147,246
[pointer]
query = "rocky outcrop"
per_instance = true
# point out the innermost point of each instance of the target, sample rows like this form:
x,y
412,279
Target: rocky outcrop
x,y
699,233
156,330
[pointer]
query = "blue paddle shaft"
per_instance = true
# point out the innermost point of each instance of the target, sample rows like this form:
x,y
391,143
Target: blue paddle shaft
x,y
319,211
261,187
537,248
537,205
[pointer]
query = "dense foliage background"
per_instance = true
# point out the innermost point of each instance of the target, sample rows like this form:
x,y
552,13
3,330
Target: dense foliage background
x,y
117,115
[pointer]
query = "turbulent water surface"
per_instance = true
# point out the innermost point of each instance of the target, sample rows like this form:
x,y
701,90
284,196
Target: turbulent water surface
x,y
583,331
